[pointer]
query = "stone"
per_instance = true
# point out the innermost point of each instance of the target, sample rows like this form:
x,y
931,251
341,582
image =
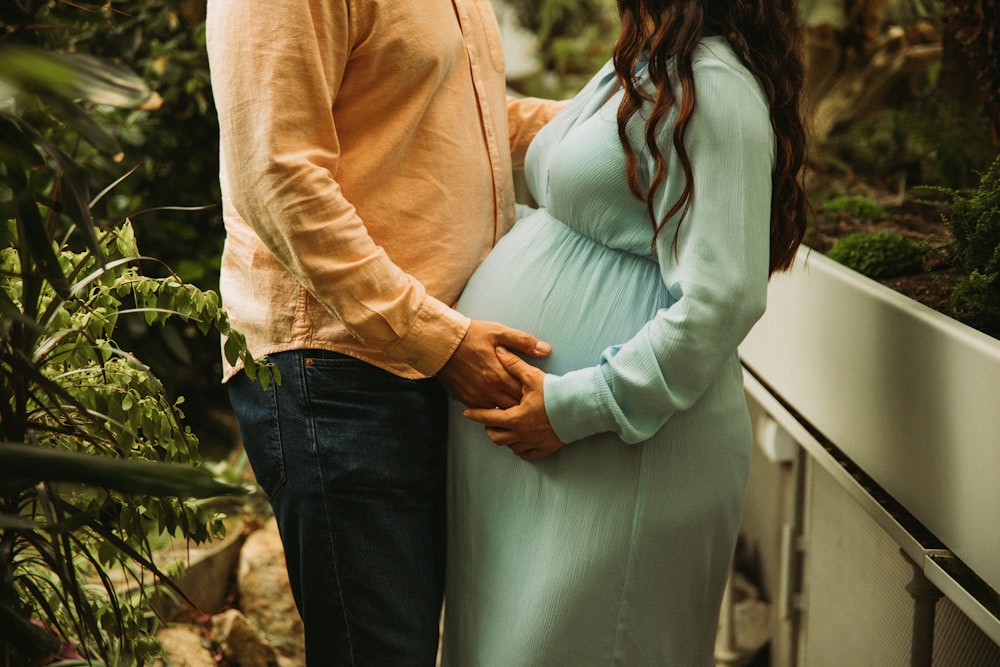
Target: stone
x,y
241,642
183,646
209,570
265,594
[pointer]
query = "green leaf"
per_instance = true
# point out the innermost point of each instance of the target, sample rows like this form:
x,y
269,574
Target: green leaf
x,y
231,348
18,522
40,246
86,281
138,477
73,76
84,124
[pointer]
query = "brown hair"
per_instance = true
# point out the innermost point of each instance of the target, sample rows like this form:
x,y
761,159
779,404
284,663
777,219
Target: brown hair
x,y
765,35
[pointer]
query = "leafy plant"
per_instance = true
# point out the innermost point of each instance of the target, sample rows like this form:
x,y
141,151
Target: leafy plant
x,y
97,459
974,222
878,254
861,208
164,41
175,167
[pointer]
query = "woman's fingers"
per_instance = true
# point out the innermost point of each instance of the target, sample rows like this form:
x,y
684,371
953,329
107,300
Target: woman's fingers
x,y
524,428
501,436
517,366
489,417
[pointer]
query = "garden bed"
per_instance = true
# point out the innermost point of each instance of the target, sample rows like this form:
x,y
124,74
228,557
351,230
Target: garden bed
x,y
910,217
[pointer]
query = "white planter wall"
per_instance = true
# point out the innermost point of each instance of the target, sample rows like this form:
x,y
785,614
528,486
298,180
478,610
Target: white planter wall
x,y
911,396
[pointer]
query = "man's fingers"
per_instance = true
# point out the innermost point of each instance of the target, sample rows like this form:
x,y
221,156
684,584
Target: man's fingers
x,y
524,342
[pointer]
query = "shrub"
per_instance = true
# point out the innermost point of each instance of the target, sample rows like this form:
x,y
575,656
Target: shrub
x,y
974,222
878,254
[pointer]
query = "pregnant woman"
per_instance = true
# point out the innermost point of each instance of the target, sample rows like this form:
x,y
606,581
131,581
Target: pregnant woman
x,y
594,523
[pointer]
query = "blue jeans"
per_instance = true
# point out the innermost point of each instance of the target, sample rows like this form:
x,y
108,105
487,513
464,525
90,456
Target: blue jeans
x,y
352,459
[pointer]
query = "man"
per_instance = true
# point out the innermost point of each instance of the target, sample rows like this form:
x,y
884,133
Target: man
x,y
366,171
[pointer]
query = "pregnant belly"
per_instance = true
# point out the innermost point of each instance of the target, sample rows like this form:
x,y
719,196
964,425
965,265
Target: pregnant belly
x,y
565,288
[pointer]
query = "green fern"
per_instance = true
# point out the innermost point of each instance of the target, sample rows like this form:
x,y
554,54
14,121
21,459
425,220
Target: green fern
x,y
974,222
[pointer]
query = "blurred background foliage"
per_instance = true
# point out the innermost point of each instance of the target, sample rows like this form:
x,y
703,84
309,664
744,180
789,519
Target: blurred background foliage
x,y
573,39
901,91
164,43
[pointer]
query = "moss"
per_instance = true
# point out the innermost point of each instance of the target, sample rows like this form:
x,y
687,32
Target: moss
x,y
861,208
878,254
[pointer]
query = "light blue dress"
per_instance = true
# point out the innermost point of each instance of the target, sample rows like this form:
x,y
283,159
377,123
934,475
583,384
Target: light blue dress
x,y
615,550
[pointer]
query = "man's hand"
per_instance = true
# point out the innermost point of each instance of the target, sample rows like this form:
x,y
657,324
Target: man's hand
x,y
525,428
476,377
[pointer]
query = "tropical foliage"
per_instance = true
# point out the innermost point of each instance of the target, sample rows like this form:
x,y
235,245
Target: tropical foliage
x,y
172,152
98,460
96,457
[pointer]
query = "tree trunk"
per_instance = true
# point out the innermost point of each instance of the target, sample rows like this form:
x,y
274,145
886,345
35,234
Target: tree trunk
x,y
971,63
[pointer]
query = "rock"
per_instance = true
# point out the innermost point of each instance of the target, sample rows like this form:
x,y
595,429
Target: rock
x,y
265,594
184,646
208,571
209,568
240,641
745,623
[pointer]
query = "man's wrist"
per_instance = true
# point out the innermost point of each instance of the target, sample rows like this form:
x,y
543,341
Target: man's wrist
x,y
436,333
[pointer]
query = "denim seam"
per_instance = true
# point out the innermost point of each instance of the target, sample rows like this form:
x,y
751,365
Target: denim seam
x,y
326,505
282,472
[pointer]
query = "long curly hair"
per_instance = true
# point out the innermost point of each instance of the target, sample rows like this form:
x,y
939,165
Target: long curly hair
x,y
765,34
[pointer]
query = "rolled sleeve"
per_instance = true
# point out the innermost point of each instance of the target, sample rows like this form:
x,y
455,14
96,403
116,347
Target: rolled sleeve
x,y
281,158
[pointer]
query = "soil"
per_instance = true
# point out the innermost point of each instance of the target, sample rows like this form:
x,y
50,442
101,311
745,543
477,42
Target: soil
x,y
908,215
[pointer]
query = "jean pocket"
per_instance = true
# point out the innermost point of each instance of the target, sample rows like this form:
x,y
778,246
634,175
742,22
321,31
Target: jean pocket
x,y
374,429
257,413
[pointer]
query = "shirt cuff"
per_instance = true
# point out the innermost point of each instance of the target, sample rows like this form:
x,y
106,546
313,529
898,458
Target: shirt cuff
x,y
576,404
432,339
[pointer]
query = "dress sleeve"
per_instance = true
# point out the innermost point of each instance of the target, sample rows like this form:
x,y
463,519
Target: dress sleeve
x,y
276,68
716,274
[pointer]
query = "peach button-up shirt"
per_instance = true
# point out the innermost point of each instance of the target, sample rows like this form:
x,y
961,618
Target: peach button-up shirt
x,y
366,170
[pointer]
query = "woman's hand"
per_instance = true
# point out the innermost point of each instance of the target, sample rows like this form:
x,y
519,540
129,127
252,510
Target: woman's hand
x,y
525,427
